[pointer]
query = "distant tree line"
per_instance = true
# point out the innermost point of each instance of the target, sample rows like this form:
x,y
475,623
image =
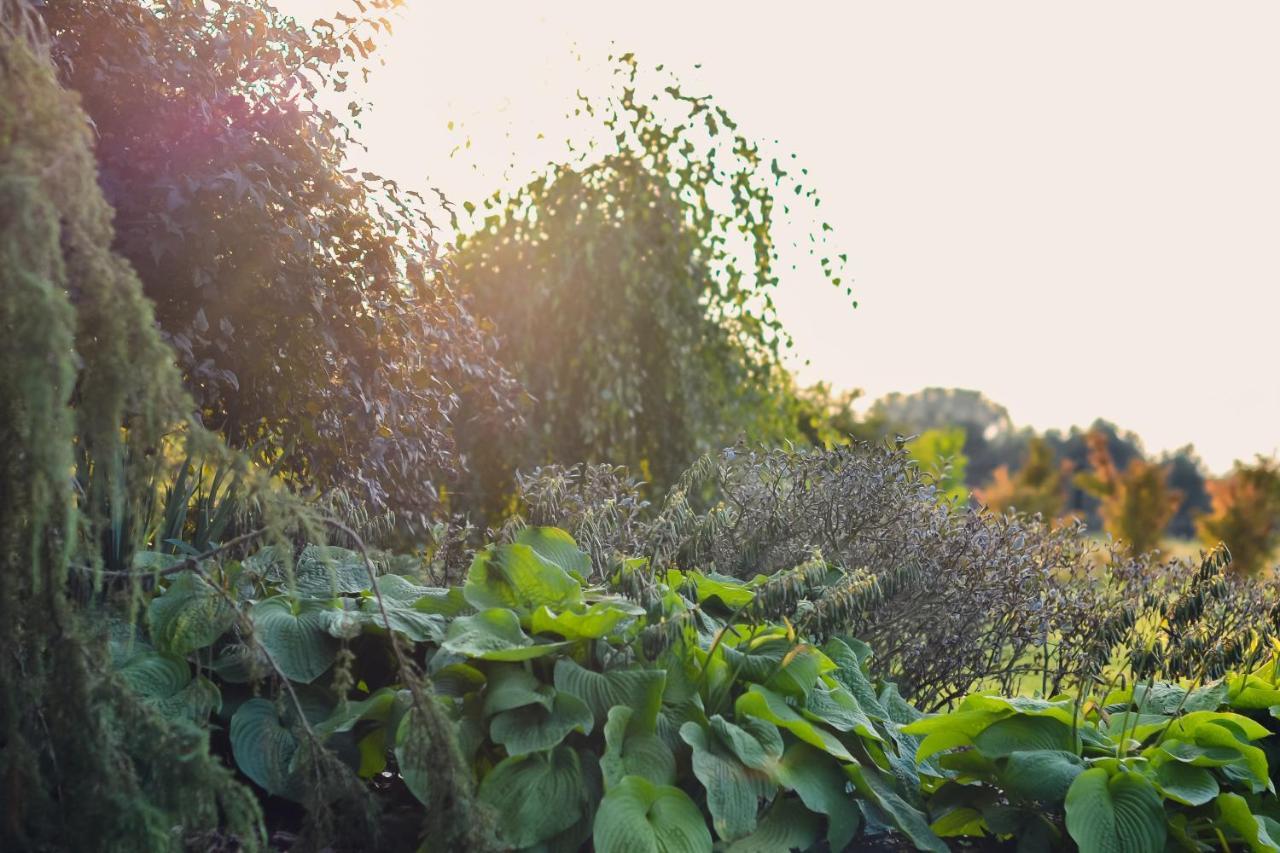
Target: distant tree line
x,y
1100,474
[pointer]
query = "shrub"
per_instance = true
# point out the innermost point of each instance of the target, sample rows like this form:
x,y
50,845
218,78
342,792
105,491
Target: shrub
x,y
1245,514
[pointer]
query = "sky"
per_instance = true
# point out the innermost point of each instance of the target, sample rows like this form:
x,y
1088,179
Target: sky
x,y
1073,208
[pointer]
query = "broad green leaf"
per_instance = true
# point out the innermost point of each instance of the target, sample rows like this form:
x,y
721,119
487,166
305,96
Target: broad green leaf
x,y
535,796
628,753
1170,698
155,676
1252,693
1253,761
1186,726
1040,775
596,620
296,633
264,748
817,778
755,742
1120,813
907,819
516,577
733,790
1191,786
188,615
372,749
838,709
638,689
798,672
532,728
493,634
404,618
321,571
637,816
449,603
1020,733
1254,830
959,822
851,675
512,686
377,707
558,548
761,702
730,592
787,825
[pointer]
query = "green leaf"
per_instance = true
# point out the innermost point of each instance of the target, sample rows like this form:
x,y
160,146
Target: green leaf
x,y
787,825
733,790
755,742
817,778
729,591
322,571
907,819
851,675
297,635
264,748
404,618
637,816
188,615
1169,698
1252,693
535,796
1115,814
516,577
532,728
377,707
597,620
493,634
1254,830
558,548
155,676
512,686
638,689
761,702
448,603
629,753
838,709
1020,733
1191,786
1040,775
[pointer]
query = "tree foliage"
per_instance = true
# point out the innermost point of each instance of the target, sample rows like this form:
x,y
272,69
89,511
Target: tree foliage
x,y
1136,504
1037,488
1245,515
632,287
310,311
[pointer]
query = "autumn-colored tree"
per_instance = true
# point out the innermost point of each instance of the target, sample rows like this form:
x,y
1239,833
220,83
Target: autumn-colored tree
x,y
1037,488
1137,503
1245,514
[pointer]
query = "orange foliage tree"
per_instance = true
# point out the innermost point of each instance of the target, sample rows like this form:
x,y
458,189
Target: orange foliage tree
x,y
1037,488
1245,515
1137,503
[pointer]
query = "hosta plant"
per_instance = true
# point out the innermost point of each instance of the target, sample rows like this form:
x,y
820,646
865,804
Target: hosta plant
x,y
1151,768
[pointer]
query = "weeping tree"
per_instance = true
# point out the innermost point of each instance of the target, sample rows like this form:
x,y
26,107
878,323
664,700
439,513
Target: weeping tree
x,y
90,399
632,287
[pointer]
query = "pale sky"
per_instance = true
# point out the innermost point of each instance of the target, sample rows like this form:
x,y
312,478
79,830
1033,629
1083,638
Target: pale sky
x,y
1073,208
